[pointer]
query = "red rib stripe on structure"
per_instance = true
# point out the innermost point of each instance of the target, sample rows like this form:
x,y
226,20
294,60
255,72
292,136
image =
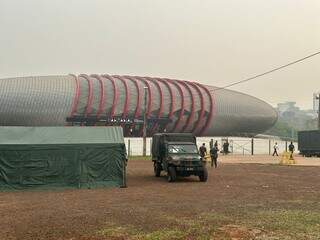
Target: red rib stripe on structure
x,y
76,96
191,116
138,107
126,103
127,95
212,109
102,94
160,112
150,96
178,122
89,101
196,125
115,94
172,108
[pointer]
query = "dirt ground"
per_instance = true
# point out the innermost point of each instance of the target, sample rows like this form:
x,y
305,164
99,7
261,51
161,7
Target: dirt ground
x,y
150,203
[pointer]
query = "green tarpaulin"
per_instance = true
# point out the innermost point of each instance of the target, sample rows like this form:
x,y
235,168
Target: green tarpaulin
x,y
55,157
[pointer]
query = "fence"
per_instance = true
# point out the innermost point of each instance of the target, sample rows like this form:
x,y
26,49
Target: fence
x,y
243,146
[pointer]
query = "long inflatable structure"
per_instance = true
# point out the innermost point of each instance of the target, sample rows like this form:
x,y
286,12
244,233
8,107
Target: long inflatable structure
x,y
168,105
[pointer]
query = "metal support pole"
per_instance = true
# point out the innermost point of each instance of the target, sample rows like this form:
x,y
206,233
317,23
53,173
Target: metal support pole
x,y
318,98
252,146
286,146
269,146
145,123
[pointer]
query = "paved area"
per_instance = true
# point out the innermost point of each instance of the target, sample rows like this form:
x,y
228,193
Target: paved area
x,y
267,159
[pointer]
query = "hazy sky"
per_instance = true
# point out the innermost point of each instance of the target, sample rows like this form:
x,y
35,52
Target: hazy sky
x,y
214,42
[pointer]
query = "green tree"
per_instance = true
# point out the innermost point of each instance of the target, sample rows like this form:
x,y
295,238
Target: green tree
x,y
283,129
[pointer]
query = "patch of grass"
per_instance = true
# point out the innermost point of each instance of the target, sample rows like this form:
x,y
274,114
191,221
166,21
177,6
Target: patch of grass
x,y
296,224
116,232
180,230
129,233
243,224
164,234
273,224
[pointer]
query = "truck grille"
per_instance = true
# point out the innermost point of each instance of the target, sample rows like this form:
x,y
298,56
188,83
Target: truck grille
x,y
190,163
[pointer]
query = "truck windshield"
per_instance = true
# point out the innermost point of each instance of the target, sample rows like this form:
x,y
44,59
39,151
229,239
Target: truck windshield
x,y
186,148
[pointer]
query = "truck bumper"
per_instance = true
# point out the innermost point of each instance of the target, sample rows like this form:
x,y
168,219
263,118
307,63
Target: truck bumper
x,y
191,170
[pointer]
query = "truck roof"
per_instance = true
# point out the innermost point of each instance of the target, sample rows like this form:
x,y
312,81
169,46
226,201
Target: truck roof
x,y
175,138
173,134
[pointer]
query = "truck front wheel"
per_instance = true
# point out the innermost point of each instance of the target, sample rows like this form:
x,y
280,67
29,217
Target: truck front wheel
x,y
172,174
203,176
157,169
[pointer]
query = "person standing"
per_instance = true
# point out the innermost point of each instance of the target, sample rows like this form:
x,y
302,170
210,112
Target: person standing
x,y
275,149
203,150
226,147
214,155
291,150
211,144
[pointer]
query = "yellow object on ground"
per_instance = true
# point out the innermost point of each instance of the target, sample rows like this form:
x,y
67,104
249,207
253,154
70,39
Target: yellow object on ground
x,y
286,159
207,158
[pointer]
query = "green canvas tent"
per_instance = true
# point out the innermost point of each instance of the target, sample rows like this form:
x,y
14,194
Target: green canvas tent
x,y
55,157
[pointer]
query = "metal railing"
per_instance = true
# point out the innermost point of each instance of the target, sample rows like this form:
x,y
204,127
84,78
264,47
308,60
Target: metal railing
x,y
237,145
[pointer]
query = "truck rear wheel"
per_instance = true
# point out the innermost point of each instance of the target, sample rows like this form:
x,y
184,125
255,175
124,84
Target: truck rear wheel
x,y
157,169
204,175
172,174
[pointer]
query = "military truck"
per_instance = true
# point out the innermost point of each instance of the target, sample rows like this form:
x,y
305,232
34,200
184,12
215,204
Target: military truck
x,y
309,143
177,155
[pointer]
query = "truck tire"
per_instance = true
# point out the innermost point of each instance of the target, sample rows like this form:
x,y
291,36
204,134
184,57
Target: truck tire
x,y
203,176
157,169
172,174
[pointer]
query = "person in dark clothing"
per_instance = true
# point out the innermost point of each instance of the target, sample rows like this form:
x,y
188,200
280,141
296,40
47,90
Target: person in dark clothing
x,y
214,155
226,147
291,150
203,150
216,144
275,149
211,144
